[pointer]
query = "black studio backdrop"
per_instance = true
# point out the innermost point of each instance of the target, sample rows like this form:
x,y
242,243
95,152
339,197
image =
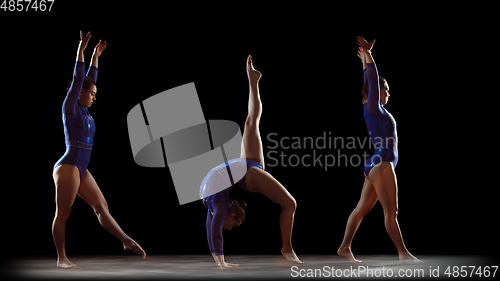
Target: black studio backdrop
x,y
310,88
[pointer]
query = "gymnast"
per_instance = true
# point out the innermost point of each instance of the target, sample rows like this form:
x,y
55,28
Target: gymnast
x,y
380,178
70,173
225,213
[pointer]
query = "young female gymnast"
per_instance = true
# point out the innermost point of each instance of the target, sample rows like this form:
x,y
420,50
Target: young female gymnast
x,y
70,173
225,213
380,178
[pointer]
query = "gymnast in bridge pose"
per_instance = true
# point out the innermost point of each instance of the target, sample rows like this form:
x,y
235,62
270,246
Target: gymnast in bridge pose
x,y
225,213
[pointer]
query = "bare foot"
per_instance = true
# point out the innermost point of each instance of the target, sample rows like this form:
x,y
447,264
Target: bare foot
x,y
134,247
409,259
253,74
346,253
66,264
291,256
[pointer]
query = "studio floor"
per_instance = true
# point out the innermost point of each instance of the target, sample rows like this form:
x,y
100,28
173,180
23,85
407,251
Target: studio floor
x,y
131,267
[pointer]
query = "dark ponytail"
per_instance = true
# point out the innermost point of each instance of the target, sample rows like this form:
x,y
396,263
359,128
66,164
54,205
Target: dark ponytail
x,y
364,88
238,209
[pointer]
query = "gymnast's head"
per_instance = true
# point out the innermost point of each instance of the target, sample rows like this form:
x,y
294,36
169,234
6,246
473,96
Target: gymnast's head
x,y
235,215
384,91
88,92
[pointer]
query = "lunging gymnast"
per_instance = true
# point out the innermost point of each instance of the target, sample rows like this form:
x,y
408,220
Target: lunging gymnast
x,y
70,173
380,177
225,213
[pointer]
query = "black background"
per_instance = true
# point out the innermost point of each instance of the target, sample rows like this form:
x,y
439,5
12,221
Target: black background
x,y
435,64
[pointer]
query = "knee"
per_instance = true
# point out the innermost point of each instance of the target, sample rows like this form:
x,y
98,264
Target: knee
x,y
290,205
361,212
391,213
100,207
62,213
252,121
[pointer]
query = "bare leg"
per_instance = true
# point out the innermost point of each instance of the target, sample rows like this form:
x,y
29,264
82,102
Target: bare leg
x,y
365,204
251,145
385,183
261,181
66,179
90,192
258,180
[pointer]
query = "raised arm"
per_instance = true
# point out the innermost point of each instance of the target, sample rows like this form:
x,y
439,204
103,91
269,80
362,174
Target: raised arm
x,y
78,76
97,52
362,56
92,72
373,102
83,44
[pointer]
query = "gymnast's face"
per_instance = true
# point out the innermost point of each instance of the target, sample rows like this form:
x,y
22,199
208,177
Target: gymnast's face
x,y
87,97
384,94
230,222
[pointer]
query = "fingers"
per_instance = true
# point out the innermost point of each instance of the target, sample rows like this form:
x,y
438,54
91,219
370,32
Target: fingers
x,y
364,45
84,41
87,37
231,268
103,45
361,40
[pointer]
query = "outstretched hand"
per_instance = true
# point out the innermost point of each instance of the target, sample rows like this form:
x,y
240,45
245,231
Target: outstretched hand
x,y
361,54
99,48
230,266
365,46
84,40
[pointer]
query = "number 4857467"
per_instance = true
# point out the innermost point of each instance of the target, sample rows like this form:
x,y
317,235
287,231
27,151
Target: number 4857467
x,y
27,5
470,271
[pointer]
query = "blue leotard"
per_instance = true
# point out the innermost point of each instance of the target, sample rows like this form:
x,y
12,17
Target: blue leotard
x,y
380,123
218,204
79,126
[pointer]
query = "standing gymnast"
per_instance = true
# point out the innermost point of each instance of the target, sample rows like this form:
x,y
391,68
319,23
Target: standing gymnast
x,y
225,213
380,178
70,173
